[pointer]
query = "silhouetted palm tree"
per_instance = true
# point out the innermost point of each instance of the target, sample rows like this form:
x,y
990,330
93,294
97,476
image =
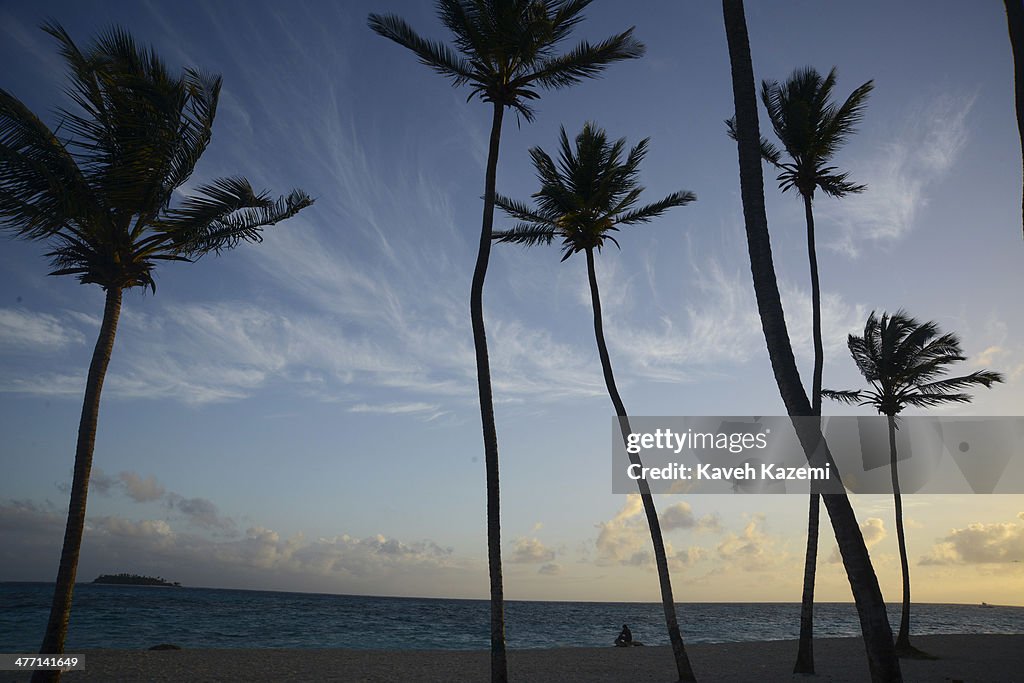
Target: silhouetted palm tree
x,y
99,189
586,196
904,362
811,129
882,660
504,50
1015,25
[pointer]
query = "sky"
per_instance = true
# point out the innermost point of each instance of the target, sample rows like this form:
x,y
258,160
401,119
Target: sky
x,y
301,414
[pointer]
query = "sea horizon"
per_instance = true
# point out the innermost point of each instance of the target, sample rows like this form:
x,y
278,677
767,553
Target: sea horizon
x,y
508,600
110,616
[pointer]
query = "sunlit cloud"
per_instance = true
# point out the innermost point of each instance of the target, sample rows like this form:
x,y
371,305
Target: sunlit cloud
x,y
140,490
873,531
680,516
625,539
197,559
530,551
752,549
978,543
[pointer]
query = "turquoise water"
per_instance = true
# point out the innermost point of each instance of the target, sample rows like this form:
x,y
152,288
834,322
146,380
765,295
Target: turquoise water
x,y
133,617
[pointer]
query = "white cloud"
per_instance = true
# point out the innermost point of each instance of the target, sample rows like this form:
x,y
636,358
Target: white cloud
x,y
980,544
530,551
28,330
138,489
898,176
30,528
200,513
751,550
680,516
626,539
873,531
715,324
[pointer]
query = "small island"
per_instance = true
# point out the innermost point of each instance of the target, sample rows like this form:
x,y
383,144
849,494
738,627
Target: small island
x,y
135,580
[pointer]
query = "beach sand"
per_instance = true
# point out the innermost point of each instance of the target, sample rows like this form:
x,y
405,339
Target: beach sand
x,y
968,658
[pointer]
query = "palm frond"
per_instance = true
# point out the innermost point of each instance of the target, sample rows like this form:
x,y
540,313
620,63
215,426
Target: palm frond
x,y
842,122
769,152
525,234
836,184
41,185
646,213
518,210
847,396
583,61
985,378
221,215
435,55
812,129
904,359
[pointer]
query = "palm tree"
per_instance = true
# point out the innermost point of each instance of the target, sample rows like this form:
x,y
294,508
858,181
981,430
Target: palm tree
x,y
98,189
903,361
811,129
583,198
505,50
1015,25
882,661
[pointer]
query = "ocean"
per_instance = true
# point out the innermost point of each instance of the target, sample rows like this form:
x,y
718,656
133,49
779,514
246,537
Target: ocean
x,y
138,617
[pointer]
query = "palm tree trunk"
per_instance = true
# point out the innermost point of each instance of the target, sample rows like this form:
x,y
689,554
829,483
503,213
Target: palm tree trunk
x,y
1015,23
499,664
60,609
903,639
805,651
819,352
882,661
683,667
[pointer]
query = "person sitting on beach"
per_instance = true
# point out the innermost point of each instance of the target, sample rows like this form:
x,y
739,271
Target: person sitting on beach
x,y
625,638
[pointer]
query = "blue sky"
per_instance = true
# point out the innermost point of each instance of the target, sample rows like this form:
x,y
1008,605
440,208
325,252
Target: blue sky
x,y
301,414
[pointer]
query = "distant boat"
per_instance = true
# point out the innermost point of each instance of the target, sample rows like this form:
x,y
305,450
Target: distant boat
x,y
985,604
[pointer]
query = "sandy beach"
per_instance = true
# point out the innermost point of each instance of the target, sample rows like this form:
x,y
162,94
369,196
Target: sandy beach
x,y
968,658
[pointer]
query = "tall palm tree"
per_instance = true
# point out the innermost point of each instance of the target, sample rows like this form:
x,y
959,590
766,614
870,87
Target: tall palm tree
x,y
882,661
811,128
904,361
1015,25
586,196
98,189
504,50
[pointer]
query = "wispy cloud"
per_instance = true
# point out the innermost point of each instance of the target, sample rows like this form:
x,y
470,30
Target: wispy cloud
x,y
898,176
714,325
22,329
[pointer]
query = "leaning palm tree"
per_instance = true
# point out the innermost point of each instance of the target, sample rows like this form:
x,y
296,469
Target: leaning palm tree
x,y
811,128
99,190
585,197
867,595
505,50
1015,25
904,361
